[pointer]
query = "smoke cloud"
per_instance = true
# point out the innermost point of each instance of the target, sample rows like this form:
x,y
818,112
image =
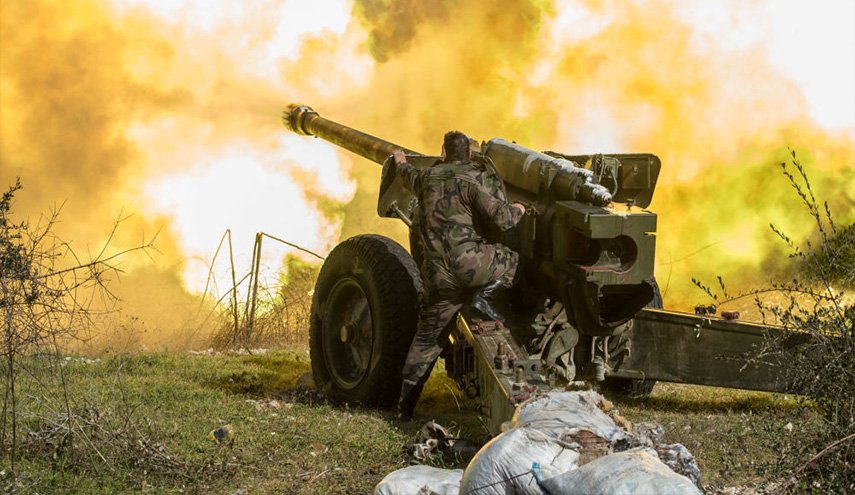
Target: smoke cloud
x,y
119,110
169,112
620,77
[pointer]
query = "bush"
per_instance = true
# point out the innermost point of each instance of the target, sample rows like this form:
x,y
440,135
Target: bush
x,y
48,295
281,316
817,308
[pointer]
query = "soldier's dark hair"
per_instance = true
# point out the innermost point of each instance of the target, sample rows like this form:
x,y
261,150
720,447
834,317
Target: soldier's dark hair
x,y
456,146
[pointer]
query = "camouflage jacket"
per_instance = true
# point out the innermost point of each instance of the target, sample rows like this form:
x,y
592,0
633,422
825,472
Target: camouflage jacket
x,y
454,198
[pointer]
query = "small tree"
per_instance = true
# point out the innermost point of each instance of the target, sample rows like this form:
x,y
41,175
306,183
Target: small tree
x,y
823,370
47,294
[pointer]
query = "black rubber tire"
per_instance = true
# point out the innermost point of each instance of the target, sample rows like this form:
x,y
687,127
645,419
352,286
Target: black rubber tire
x,y
633,387
368,269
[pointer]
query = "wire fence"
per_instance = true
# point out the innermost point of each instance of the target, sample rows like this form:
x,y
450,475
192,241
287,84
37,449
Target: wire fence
x,y
251,312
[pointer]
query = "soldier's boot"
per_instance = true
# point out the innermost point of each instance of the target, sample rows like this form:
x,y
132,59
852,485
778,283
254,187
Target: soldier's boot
x,y
405,412
485,300
409,397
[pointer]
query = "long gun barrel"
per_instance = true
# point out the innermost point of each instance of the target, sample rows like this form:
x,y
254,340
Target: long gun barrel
x,y
305,121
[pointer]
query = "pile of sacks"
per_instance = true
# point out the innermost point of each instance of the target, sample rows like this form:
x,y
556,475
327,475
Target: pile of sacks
x,y
562,443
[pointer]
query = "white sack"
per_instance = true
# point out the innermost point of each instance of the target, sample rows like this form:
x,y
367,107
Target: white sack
x,y
633,472
420,480
558,412
504,465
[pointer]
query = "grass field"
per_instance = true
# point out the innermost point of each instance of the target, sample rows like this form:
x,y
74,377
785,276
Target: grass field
x,y
149,418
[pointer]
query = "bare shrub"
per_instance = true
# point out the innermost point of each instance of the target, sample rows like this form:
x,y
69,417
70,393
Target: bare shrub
x,y
281,313
817,308
49,297
287,321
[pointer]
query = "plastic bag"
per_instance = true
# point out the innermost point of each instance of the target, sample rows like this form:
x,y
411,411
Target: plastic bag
x,y
677,457
431,440
504,465
558,412
420,480
633,472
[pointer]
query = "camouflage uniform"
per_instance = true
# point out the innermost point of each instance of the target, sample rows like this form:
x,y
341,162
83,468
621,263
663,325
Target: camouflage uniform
x,y
453,197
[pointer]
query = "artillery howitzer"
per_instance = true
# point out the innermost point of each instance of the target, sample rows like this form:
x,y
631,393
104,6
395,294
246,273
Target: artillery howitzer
x,y
587,308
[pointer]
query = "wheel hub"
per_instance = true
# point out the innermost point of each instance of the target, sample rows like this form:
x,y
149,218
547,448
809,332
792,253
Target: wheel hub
x,y
348,341
348,333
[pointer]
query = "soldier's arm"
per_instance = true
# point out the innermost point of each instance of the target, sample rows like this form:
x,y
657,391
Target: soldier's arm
x,y
492,202
409,173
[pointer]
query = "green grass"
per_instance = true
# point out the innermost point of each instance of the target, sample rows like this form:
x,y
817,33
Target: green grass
x,y
300,445
731,433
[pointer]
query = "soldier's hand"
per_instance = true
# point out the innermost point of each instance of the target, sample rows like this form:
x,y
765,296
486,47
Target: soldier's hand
x,y
519,206
399,157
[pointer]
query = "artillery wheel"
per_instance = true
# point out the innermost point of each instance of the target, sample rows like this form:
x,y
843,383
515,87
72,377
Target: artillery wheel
x,y
363,318
633,387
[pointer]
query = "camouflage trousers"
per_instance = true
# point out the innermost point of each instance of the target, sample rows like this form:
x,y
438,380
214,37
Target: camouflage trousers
x,y
448,282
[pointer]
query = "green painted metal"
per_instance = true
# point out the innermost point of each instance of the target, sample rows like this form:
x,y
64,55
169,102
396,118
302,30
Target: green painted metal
x,y
589,244
684,348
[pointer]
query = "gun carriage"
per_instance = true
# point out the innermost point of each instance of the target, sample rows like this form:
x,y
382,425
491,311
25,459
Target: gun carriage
x,y
588,307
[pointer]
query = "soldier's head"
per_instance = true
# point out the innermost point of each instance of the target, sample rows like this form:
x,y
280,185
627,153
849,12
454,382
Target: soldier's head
x,y
455,146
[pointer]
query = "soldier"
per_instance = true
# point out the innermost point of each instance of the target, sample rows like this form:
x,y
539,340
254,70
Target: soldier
x,y
455,195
